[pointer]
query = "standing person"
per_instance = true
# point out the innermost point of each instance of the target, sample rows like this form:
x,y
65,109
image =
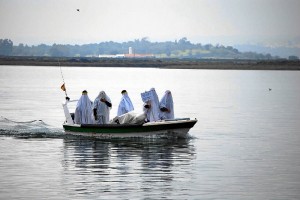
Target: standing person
x,y
151,107
101,108
84,110
166,106
125,105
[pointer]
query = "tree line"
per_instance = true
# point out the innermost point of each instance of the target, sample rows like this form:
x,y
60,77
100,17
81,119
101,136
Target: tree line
x,y
181,48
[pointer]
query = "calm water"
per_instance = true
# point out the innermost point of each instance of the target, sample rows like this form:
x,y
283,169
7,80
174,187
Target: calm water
x,y
246,144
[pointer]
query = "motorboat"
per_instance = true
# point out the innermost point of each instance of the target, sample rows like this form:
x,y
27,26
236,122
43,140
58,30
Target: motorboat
x,y
128,125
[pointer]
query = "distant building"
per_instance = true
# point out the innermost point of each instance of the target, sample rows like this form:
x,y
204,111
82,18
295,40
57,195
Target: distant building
x,y
139,55
112,56
130,54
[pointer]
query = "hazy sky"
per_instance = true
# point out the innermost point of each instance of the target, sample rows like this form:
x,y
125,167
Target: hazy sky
x,y
226,22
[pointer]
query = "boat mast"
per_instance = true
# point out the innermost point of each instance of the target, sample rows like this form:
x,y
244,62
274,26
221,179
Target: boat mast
x,y
63,87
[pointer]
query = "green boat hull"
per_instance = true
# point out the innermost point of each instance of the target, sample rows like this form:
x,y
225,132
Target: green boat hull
x,y
176,128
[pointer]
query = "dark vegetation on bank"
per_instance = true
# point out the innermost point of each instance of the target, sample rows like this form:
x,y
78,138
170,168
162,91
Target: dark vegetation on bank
x,y
179,49
178,54
154,63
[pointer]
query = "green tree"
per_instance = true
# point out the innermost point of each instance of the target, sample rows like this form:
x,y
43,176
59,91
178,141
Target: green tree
x,y
58,50
6,47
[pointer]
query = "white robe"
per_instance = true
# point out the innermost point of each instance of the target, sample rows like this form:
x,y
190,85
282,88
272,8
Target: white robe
x,y
167,102
153,112
125,105
102,109
84,111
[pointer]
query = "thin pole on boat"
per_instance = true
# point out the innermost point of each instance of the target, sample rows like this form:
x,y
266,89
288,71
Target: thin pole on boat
x,y
63,87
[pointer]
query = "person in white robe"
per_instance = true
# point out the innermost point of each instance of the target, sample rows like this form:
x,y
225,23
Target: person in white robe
x,y
125,104
151,107
166,106
84,111
101,108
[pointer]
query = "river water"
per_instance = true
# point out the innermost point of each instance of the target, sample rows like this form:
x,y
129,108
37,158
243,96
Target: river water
x,y
244,146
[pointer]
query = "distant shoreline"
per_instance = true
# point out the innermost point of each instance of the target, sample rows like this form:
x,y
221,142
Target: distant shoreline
x,y
155,63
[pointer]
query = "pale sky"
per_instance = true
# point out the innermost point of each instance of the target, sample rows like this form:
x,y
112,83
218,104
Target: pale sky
x,y
225,22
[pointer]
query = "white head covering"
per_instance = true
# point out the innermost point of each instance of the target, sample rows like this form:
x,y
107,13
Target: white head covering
x,y
153,111
167,102
102,108
102,95
84,111
125,105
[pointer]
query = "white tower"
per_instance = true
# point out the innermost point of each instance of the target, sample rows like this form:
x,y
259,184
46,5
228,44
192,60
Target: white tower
x,y
130,50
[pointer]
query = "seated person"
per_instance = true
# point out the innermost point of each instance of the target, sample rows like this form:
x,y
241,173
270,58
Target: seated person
x,y
125,105
151,107
101,108
166,106
83,112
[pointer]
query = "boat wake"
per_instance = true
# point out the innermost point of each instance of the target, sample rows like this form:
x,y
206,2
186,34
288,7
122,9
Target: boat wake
x,y
40,129
30,129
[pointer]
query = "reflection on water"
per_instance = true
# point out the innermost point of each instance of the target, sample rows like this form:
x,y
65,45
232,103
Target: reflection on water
x,y
120,167
80,168
94,155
